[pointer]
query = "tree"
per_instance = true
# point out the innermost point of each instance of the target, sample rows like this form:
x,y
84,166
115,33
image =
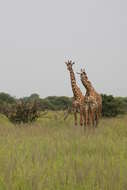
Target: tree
x,y
112,106
4,97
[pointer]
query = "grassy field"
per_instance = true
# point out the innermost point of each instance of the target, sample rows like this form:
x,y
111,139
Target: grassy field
x,y
54,155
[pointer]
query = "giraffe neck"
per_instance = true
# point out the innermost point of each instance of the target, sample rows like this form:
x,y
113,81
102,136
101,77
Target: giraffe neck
x,y
87,84
76,90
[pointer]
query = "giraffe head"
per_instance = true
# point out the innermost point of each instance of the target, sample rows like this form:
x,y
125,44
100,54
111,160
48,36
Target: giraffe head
x,y
69,65
83,74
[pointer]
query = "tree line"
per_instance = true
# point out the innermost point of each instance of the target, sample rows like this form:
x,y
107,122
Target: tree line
x,y
27,109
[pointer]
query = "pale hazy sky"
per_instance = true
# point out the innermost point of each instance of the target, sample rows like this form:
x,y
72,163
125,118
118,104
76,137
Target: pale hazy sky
x,y
38,36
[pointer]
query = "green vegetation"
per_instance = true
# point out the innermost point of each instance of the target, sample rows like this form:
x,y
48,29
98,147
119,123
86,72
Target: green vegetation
x,y
27,109
21,110
51,154
113,106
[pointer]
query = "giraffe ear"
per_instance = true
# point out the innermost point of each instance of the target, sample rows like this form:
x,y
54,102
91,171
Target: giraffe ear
x,y
73,63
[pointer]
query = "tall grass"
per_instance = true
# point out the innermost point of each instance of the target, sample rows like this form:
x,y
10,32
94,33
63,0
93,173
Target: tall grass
x,y
54,155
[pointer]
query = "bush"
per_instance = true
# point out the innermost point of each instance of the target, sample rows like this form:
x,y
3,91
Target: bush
x,y
24,111
59,103
21,111
112,106
4,97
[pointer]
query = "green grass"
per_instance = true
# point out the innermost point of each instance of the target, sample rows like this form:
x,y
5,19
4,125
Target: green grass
x,y
54,155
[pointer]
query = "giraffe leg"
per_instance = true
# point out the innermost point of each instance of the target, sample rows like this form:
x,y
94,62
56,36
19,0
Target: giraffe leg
x,y
87,118
97,114
97,117
92,115
81,117
84,117
92,118
74,108
75,118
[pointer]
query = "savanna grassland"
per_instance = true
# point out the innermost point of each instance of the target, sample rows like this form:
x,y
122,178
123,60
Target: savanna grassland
x,y
51,154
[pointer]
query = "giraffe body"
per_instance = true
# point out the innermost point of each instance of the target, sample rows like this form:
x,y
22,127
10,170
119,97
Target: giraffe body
x,y
93,99
78,97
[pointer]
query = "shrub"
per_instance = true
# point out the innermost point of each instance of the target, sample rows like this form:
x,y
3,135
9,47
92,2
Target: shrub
x,y
112,106
22,111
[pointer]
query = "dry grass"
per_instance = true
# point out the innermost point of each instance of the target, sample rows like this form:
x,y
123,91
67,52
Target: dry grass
x,y
53,155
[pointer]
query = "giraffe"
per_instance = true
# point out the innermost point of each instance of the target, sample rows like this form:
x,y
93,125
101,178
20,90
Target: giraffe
x,y
92,97
78,97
